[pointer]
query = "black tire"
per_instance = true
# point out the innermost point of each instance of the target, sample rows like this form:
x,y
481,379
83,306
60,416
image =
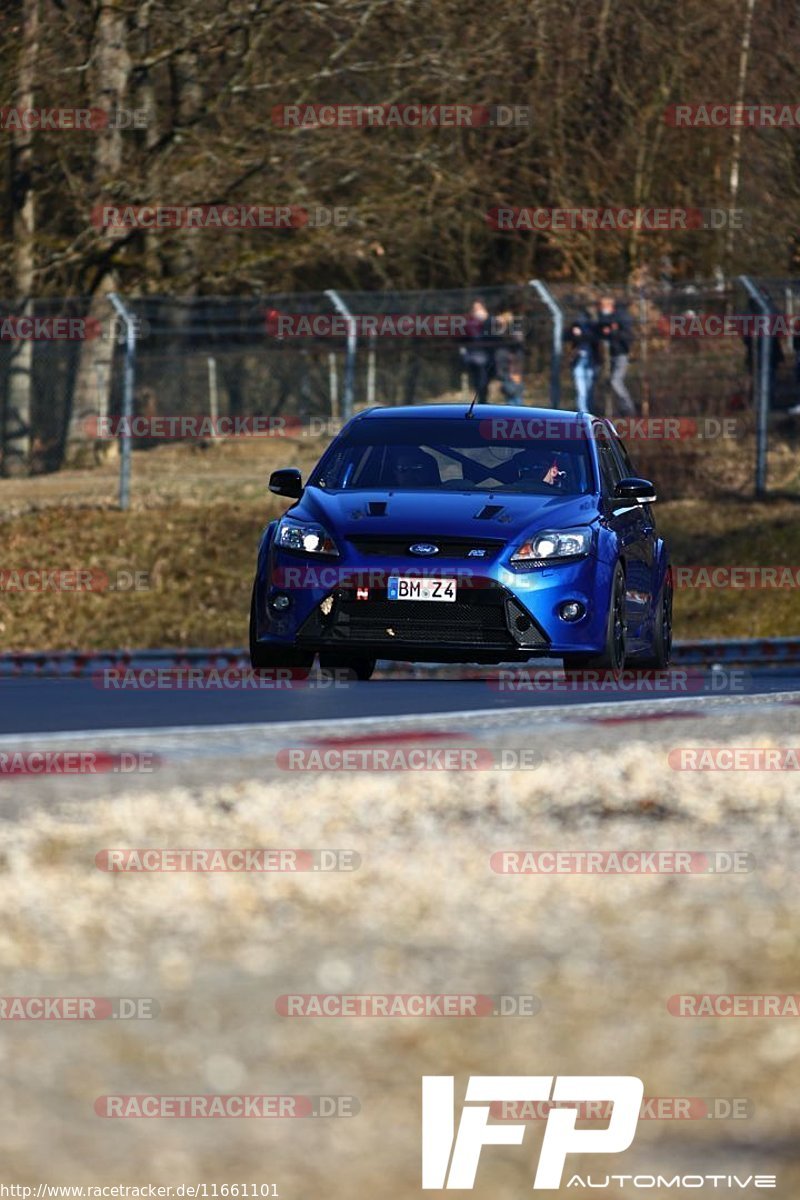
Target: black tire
x,y
612,657
276,658
659,660
361,666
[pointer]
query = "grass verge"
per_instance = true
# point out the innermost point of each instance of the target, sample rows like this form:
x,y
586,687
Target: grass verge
x,y
193,532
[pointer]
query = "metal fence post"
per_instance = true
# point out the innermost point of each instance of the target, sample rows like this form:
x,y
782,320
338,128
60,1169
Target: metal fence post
x,y
557,314
762,359
213,393
643,345
350,356
371,371
333,385
127,399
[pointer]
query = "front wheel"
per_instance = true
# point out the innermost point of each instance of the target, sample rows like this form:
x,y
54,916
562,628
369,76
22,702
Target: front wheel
x,y
612,657
275,658
662,629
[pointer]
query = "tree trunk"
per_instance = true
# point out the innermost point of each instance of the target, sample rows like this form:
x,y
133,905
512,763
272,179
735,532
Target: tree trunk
x,y
93,378
17,451
733,183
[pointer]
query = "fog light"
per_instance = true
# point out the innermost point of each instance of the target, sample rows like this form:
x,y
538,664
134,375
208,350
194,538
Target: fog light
x,y
279,602
571,610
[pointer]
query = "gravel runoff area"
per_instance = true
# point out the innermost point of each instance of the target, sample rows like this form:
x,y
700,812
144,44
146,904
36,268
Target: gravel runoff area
x,y
423,913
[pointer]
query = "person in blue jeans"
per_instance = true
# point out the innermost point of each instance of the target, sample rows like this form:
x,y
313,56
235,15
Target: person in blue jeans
x,y
585,360
615,328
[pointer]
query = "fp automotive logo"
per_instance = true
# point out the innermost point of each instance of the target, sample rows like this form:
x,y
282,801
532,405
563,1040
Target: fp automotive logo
x,y
441,1150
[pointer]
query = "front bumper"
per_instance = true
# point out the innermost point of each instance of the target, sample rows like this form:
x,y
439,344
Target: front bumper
x,y
487,620
501,615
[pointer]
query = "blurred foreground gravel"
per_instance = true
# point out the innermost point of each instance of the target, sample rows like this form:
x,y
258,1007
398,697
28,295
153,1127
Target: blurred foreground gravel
x,y
424,913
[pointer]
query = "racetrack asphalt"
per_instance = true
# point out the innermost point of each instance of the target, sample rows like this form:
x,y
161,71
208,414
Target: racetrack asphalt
x,y
57,704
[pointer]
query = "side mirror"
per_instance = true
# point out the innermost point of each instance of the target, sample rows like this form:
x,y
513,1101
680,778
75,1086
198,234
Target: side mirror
x,y
640,491
286,482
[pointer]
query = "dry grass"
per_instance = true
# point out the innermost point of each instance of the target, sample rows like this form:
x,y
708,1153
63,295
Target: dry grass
x,y
194,524
424,913
192,528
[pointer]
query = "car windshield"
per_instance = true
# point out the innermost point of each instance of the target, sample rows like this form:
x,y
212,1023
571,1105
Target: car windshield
x,y
401,454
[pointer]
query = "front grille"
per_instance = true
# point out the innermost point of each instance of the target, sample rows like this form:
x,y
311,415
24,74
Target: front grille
x,y
449,547
488,618
413,621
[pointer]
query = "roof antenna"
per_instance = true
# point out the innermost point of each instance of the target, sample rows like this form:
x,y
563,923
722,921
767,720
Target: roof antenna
x,y
468,413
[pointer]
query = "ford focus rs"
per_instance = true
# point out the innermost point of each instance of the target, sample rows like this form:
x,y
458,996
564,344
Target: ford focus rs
x,y
442,534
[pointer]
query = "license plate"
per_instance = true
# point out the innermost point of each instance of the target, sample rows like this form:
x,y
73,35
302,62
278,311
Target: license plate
x,y
413,587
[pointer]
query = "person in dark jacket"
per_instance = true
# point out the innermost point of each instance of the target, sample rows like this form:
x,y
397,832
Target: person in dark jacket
x,y
509,357
614,327
582,336
478,353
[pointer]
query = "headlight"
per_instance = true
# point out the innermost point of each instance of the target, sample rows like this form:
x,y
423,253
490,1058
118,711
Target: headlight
x,y
552,545
308,539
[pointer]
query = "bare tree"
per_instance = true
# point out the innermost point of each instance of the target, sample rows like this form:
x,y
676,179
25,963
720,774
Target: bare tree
x,y
736,156
110,74
17,456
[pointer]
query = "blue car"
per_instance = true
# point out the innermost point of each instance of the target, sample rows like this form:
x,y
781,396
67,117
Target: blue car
x,y
441,534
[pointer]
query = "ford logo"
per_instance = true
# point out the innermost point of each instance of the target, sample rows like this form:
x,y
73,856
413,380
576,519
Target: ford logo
x,y
423,548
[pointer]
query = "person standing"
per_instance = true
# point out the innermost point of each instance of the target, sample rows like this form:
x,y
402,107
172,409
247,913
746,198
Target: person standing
x,y
478,353
509,357
585,359
614,328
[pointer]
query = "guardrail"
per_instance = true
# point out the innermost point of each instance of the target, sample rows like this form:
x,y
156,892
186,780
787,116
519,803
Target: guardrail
x,y
71,664
758,651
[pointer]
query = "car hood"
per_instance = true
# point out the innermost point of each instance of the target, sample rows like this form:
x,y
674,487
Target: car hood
x,y
453,514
